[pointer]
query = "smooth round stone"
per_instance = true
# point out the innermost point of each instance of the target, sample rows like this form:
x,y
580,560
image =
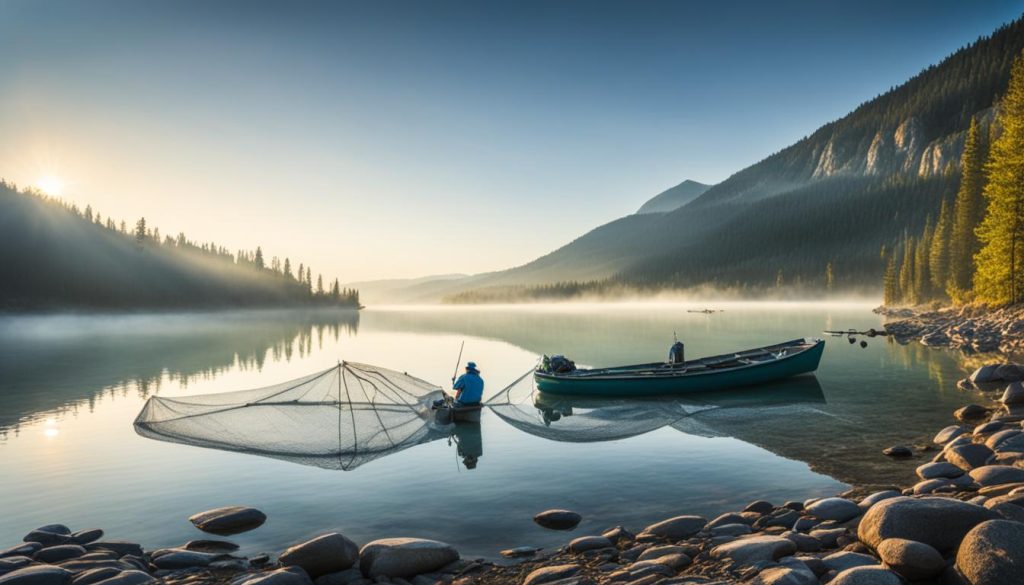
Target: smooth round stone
x,y
755,549
914,560
558,519
785,576
937,470
1013,395
867,576
325,554
211,546
130,577
938,522
968,456
21,550
519,552
836,509
971,412
1010,444
992,553
8,564
86,536
47,538
56,529
988,428
829,537
730,518
898,451
731,530
228,520
286,576
759,506
1000,438
673,561
844,560
803,542
660,551
37,575
948,434
588,543
118,546
990,475
56,554
340,578
677,528
549,574
876,497
404,557
932,485
182,559
95,575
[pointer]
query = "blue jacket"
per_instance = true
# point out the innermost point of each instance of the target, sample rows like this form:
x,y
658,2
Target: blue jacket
x,y
472,386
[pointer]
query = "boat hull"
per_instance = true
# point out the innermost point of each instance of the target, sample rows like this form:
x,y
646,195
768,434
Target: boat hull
x,y
632,385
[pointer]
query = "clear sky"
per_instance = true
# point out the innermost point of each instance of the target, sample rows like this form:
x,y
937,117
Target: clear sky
x,y
388,139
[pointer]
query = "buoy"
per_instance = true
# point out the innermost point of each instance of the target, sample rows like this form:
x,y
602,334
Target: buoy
x,y
851,340
863,344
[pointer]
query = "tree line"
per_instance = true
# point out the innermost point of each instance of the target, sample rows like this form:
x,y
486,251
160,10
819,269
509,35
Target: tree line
x,y
974,250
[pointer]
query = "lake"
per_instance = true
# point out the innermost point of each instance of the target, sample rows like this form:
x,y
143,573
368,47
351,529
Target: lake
x,y
71,386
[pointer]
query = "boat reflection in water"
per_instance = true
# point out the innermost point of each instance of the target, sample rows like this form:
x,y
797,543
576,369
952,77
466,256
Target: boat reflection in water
x,y
352,414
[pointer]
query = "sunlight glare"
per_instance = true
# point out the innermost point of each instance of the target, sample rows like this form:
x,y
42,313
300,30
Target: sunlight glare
x,y
50,185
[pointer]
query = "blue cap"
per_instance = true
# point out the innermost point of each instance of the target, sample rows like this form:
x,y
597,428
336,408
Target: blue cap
x,y
471,366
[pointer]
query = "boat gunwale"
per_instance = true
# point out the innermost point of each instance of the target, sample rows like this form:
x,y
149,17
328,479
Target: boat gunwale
x,y
626,375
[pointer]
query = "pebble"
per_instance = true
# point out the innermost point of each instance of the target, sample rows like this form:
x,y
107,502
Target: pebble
x,y
937,470
990,475
867,576
971,412
914,560
95,575
56,554
182,559
759,506
678,528
519,552
898,451
549,574
286,576
844,560
129,578
37,575
968,456
589,543
755,548
836,509
948,434
210,546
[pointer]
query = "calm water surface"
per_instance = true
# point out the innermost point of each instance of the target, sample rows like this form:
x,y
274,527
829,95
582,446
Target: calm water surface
x,y
70,387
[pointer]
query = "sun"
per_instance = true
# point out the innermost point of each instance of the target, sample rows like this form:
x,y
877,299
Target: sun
x,y
50,185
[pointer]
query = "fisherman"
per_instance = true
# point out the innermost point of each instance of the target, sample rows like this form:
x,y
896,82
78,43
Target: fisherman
x,y
469,388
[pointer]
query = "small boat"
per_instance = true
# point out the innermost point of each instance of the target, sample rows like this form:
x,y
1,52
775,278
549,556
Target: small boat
x,y
744,368
449,413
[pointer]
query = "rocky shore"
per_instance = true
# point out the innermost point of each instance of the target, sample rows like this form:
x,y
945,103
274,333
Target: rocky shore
x,y
970,328
961,524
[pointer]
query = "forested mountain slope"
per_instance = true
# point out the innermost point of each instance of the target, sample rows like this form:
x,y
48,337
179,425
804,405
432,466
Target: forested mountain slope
x,y
835,197
55,256
674,198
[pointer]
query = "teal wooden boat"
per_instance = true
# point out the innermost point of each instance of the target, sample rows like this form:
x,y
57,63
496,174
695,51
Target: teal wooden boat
x,y
744,368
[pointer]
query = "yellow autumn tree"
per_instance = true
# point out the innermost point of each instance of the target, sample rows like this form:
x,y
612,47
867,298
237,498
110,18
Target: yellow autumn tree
x,y
999,265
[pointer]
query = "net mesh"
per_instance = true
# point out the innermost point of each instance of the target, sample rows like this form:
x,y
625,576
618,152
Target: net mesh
x,y
339,418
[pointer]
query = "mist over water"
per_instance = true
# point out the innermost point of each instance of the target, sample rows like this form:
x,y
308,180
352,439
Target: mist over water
x,y
70,387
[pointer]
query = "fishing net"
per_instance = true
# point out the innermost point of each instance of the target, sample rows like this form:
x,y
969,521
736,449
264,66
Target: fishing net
x,y
339,418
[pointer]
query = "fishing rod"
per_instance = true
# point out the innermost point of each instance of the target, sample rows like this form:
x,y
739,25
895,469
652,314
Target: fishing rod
x,y
457,362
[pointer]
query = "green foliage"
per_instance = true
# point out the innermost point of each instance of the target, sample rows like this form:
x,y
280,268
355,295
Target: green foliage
x,y
938,255
999,276
969,208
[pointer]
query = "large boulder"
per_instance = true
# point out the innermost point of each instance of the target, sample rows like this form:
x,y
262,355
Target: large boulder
x,y
867,576
677,528
836,509
999,438
37,575
985,374
228,520
755,549
914,560
558,519
938,522
56,554
992,553
968,456
404,557
325,554
989,475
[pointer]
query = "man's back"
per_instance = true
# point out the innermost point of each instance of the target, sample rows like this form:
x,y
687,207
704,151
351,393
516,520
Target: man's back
x,y
472,386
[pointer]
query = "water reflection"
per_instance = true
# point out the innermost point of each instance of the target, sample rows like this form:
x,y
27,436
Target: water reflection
x,y
53,364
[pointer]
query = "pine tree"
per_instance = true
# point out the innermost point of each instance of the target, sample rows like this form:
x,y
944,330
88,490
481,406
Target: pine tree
x,y
999,275
309,280
906,274
890,283
140,230
287,268
336,290
258,259
320,284
967,213
922,276
938,256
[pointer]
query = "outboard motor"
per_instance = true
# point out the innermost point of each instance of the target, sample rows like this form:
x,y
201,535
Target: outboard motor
x,y
676,353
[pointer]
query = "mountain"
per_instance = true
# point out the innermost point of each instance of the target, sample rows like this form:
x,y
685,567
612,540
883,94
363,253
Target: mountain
x,y
830,203
55,256
674,198
407,290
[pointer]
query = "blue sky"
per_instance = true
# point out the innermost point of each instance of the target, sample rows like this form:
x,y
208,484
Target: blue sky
x,y
388,139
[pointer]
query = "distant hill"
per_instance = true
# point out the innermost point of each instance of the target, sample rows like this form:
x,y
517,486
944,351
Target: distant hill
x,y
56,256
674,198
831,202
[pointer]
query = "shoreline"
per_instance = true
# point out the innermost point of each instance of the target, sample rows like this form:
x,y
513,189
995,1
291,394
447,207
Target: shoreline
x,y
972,487
970,329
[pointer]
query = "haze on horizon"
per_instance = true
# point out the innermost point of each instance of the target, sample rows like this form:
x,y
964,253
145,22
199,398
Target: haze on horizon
x,y
400,139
